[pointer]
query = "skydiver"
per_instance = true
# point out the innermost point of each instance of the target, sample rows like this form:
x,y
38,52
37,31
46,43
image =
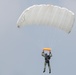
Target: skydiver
x,y
47,60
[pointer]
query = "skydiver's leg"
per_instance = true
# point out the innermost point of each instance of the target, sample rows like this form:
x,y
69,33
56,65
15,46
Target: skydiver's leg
x,y
49,67
44,67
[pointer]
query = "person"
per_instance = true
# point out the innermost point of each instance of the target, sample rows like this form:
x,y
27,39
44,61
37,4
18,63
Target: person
x,y
47,60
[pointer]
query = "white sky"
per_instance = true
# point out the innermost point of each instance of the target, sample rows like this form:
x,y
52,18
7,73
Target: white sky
x,y
20,49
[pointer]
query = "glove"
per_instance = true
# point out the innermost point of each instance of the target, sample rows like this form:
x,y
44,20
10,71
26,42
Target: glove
x,y
50,52
43,51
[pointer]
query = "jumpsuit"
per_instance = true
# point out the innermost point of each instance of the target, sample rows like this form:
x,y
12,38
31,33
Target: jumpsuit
x,y
47,58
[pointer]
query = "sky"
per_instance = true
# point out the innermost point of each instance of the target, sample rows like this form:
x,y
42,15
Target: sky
x,y
20,49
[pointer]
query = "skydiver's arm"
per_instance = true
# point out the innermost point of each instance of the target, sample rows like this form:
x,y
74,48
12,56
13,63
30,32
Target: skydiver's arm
x,y
43,54
50,54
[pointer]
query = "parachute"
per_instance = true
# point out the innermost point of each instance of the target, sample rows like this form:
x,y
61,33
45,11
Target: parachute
x,y
49,15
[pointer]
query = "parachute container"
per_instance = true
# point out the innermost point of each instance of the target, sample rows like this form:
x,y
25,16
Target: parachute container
x,y
47,49
48,15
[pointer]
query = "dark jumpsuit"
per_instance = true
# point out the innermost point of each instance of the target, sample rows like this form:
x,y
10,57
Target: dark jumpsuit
x,y
47,58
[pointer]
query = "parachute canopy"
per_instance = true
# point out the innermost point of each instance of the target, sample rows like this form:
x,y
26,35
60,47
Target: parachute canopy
x,y
47,49
50,15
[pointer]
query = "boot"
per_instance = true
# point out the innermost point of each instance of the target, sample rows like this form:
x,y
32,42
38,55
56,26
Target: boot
x,y
49,71
44,70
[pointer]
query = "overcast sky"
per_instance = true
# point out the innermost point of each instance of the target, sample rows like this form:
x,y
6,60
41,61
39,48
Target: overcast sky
x,y
20,49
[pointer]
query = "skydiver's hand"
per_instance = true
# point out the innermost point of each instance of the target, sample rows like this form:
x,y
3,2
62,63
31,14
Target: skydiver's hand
x,y
50,52
43,51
